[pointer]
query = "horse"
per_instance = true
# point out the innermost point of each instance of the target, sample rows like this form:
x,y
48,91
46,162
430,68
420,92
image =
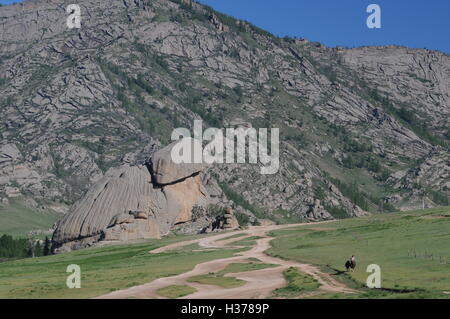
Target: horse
x,y
349,264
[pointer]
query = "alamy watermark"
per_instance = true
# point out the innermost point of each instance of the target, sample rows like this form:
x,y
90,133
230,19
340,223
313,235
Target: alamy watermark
x,y
374,19
223,149
374,279
74,18
74,279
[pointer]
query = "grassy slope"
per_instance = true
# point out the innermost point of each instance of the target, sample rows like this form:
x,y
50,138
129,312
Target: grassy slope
x,y
388,240
176,291
218,278
298,282
17,220
233,236
249,241
103,269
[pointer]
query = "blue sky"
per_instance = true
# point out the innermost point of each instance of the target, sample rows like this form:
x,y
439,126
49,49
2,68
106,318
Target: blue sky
x,y
414,23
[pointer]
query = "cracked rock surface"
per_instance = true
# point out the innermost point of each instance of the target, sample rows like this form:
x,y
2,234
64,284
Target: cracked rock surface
x,y
361,129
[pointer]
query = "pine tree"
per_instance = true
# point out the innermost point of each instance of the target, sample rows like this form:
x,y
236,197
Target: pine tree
x,y
30,248
47,248
38,249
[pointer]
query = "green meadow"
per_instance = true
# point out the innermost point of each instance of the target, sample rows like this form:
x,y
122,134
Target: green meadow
x,y
297,283
103,269
249,241
219,278
17,219
412,249
176,291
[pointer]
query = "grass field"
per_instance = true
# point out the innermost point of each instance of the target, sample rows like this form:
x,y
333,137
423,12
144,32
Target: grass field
x,y
249,241
176,291
298,282
218,278
412,249
232,236
103,269
17,220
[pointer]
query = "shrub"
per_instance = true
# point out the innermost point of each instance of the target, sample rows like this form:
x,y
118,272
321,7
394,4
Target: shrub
x,y
409,118
336,211
215,211
352,192
439,198
10,247
238,91
351,145
242,219
239,200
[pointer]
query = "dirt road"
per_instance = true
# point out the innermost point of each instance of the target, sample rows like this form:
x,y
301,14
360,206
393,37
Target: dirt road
x,y
259,283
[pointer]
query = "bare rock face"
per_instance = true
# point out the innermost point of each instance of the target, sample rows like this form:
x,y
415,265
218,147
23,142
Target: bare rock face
x,y
227,221
134,225
128,204
221,223
121,190
217,24
165,171
61,109
182,196
211,218
317,211
121,219
139,228
230,220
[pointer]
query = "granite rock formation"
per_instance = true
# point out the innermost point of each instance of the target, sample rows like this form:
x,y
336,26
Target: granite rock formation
x,y
362,129
128,203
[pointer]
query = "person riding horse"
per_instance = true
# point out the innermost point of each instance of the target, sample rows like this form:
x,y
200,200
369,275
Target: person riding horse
x,y
351,263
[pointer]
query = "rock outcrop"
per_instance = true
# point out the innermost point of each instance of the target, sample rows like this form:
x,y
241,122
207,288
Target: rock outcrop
x,y
165,171
132,226
317,211
129,204
76,102
217,24
227,221
211,218
230,222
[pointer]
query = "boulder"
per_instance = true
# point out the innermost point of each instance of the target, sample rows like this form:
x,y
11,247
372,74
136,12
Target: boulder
x,y
217,24
230,220
165,171
121,219
317,212
138,214
182,196
128,203
138,229
106,204
9,153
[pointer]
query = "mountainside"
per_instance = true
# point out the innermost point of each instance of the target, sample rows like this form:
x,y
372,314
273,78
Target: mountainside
x,y
362,130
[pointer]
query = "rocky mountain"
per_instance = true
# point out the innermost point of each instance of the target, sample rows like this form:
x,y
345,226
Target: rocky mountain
x,y
362,130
